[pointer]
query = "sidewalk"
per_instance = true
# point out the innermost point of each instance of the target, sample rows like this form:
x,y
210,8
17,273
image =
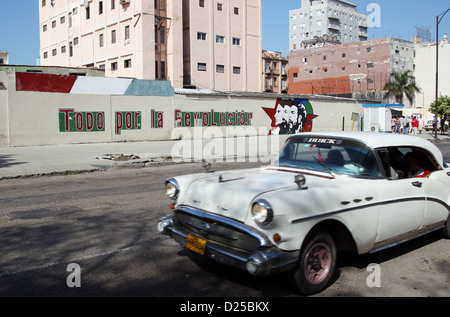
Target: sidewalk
x,y
61,159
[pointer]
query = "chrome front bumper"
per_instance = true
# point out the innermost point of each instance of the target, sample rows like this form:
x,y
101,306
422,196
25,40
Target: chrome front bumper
x,y
261,259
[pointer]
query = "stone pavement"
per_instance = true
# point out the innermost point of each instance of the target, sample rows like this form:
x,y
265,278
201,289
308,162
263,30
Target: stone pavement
x,y
64,159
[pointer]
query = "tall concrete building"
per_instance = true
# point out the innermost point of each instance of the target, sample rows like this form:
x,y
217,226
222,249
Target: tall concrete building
x,y
206,44
349,69
425,71
318,22
275,72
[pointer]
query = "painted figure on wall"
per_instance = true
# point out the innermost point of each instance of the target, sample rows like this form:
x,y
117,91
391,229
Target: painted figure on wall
x,y
291,116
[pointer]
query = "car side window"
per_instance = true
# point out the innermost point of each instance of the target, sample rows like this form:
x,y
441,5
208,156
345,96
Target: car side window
x,y
406,162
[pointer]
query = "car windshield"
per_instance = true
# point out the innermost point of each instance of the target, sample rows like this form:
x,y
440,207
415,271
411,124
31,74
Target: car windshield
x,y
330,155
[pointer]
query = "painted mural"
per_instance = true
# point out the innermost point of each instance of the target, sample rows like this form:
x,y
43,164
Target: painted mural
x,y
291,116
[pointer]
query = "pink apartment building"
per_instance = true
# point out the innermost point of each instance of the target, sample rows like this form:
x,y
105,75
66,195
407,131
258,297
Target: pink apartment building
x,y
204,44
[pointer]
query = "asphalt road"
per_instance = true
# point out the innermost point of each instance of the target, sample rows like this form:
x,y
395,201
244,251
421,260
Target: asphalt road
x,y
105,223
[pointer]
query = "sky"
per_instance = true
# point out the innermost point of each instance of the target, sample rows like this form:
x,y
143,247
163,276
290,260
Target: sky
x,y
19,23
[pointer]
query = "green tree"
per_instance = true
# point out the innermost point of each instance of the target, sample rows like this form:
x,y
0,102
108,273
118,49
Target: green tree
x,y
443,107
401,85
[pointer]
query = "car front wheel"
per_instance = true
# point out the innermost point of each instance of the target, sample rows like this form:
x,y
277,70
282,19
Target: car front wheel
x,y
316,264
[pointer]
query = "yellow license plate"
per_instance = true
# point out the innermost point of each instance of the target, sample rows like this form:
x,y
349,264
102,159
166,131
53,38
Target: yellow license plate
x,y
196,245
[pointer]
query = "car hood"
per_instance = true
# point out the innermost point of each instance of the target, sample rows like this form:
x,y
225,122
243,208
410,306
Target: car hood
x,y
231,194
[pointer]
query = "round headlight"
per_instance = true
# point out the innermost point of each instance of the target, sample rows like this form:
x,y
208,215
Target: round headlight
x,y
262,212
172,189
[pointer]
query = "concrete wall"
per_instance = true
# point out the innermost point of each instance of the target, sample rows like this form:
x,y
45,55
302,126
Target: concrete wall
x,y
71,110
3,108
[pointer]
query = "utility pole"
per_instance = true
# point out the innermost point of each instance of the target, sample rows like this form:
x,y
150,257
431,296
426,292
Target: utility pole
x,y
438,20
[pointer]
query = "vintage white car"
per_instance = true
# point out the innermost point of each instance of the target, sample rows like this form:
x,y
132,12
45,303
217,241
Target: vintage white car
x,y
326,193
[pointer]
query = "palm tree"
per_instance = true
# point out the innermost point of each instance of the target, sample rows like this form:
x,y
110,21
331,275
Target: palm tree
x,y
402,84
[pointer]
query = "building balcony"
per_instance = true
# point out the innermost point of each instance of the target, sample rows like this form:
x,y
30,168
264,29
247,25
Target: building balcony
x,y
363,34
333,26
333,16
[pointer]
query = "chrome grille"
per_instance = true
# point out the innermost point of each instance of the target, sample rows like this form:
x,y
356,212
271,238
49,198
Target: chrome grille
x,y
218,231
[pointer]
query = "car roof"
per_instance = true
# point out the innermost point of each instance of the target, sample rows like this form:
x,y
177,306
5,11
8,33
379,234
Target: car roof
x,y
380,140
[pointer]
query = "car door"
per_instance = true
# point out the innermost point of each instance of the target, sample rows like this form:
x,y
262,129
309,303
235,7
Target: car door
x,y
402,208
436,188
402,202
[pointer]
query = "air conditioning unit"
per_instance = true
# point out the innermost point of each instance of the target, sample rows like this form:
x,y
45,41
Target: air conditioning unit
x,y
375,128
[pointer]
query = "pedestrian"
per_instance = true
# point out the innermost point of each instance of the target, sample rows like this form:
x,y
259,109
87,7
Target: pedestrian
x,y
415,126
421,124
406,126
401,124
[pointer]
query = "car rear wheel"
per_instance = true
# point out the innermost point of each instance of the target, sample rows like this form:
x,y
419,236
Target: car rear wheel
x,y
447,229
316,264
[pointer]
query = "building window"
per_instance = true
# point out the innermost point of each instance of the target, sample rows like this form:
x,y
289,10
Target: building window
x,y
162,35
70,49
369,50
88,13
63,49
236,11
54,52
44,28
370,65
75,41
127,32
220,69
100,7
43,3
100,40
295,75
236,41
53,24
201,67
113,4
114,66
127,63
45,55
236,70
220,39
201,36
163,70
62,20
70,19
201,3
219,7
113,37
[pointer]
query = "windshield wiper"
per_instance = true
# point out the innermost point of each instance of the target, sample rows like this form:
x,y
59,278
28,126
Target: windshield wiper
x,y
325,165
